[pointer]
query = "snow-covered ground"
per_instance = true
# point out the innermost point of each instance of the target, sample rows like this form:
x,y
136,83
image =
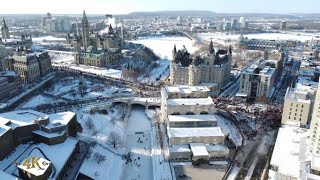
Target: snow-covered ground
x,y
111,168
227,38
67,60
37,100
231,129
47,38
160,73
97,127
163,46
69,88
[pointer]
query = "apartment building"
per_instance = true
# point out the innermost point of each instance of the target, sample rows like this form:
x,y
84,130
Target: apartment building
x,y
298,103
256,82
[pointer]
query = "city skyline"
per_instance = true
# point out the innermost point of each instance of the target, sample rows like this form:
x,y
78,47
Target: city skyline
x,y
126,6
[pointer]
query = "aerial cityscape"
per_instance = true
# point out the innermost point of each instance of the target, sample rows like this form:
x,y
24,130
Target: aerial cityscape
x,y
168,90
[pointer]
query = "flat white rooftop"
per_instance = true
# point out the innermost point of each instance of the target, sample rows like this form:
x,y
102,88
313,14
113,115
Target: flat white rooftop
x,y
179,148
191,101
186,89
20,118
196,132
199,149
193,118
290,149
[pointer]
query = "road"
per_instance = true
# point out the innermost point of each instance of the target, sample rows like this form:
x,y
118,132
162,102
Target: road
x,y
233,88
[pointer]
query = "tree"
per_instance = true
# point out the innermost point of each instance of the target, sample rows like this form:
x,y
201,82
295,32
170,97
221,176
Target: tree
x,y
89,124
99,157
115,139
113,120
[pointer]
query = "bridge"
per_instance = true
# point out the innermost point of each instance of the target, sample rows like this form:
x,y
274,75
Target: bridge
x,y
153,101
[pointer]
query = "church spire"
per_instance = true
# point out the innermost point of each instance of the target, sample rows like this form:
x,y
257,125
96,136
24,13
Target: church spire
x,y
211,50
84,17
4,23
174,51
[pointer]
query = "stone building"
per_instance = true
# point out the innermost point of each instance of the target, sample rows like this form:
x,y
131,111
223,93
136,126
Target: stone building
x,y
10,83
30,67
5,30
27,67
261,44
210,67
96,49
45,63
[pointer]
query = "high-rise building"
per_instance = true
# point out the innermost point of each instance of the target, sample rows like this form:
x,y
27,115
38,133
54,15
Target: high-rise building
x,y
298,106
5,30
283,25
315,126
256,82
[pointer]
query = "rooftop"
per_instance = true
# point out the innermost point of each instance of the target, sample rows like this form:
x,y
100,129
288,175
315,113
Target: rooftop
x,y
199,149
20,118
195,132
182,118
290,150
190,101
186,89
180,148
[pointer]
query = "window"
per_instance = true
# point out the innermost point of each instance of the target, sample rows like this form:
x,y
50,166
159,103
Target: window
x,y
302,106
291,104
289,113
300,119
289,117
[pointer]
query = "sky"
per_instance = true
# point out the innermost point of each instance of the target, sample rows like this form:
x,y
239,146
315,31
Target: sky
x,y
127,6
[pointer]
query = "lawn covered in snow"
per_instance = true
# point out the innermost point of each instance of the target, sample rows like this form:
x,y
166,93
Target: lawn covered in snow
x,y
69,88
37,100
98,123
163,46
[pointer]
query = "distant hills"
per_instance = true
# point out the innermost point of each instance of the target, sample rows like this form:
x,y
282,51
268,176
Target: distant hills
x,y
198,13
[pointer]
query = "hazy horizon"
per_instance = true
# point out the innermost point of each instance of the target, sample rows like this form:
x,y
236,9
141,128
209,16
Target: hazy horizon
x,y
122,7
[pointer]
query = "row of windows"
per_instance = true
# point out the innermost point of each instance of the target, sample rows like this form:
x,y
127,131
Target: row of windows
x,y
294,118
297,105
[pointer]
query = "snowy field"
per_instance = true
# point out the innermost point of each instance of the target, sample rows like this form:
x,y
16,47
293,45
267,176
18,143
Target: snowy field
x,y
160,73
47,38
37,100
227,38
67,60
163,46
98,129
68,88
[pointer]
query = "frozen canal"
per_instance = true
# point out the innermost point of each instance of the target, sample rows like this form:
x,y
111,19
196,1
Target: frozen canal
x,y
138,140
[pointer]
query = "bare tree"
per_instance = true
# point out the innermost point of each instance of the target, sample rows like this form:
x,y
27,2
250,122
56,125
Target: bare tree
x,y
113,120
99,157
115,139
89,124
